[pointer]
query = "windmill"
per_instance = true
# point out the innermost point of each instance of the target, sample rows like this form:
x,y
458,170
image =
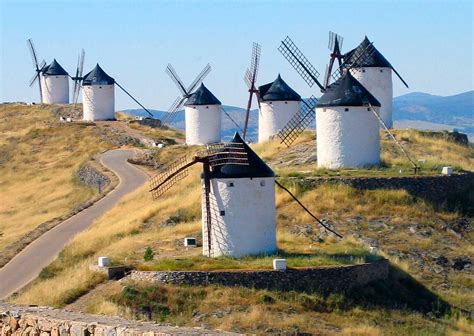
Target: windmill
x,y
310,75
98,92
231,155
185,92
238,200
38,67
375,73
250,79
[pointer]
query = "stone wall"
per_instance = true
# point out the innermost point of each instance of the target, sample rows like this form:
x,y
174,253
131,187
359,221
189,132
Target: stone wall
x,y
323,279
92,177
437,189
44,321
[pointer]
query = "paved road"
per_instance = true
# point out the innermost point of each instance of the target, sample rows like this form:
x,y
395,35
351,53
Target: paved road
x,y
26,265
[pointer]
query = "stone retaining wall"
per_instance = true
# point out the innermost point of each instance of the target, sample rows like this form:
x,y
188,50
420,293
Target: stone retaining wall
x,y
324,279
44,321
437,189
92,177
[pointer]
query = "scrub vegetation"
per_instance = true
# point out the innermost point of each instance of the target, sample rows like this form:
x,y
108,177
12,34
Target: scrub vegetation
x,y
418,298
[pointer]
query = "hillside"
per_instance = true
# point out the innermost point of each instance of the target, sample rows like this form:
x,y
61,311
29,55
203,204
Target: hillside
x,y
39,159
428,112
425,242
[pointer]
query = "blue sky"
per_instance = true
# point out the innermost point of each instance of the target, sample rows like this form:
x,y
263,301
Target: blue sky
x,y
429,42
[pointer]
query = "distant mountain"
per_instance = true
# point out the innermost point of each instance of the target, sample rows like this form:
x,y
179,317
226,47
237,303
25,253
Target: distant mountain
x,y
417,110
456,111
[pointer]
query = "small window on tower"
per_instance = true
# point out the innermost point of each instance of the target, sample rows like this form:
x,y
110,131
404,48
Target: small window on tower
x,y
363,70
207,107
222,212
368,108
286,102
262,183
231,184
270,103
346,109
324,110
381,70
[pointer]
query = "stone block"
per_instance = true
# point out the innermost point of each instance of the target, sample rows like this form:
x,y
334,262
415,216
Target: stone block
x,y
279,264
103,261
447,171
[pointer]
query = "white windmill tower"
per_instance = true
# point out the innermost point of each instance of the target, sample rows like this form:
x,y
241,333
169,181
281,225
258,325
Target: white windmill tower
x,y
278,104
238,203
375,74
203,116
55,84
346,128
98,95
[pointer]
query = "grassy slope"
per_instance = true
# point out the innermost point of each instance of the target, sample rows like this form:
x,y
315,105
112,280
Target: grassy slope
x,y
39,157
125,231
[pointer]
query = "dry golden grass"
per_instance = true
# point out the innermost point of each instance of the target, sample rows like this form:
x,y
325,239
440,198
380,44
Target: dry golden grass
x,y
39,157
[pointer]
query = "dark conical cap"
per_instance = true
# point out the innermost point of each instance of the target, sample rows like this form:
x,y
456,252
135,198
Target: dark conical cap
x,y
97,77
54,69
202,96
347,91
375,60
278,90
256,167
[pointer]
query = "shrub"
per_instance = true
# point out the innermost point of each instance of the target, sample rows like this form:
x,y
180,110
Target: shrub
x,y
149,254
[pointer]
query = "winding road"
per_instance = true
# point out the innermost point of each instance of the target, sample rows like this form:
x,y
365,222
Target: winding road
x,y
27,264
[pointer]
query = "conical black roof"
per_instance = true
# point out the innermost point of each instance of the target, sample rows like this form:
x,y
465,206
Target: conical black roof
x,y
375,60
256,167
97,77
202,96
54,69
347,91
278,90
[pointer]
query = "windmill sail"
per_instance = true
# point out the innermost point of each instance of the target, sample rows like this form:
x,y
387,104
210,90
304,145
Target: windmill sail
x,y
299,122
299,62
250,79
185,92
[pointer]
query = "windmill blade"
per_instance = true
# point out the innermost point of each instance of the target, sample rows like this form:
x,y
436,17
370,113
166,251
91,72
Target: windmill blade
x,y
171,175
248,78
199,78
333,38
42,65
33,79
225,153
299,122
80,66
32,49
174,109
255,61
299,62
174,76
134,99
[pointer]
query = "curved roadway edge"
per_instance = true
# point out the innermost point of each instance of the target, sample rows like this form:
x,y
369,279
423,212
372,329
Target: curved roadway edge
x,y
27,264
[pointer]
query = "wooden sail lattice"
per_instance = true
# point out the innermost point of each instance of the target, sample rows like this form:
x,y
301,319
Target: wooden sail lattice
x,y
299,122
358,59
215,155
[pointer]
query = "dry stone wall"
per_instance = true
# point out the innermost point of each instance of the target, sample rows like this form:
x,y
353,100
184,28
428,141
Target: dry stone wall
x,y
324,279
44,321
437,189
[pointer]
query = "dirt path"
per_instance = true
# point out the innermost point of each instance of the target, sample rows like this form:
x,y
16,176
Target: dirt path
x,y
26,265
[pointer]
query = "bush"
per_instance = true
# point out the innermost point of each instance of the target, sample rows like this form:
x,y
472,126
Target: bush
x,y
149,254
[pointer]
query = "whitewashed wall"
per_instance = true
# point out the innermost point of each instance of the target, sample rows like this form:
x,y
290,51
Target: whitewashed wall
x,y
347,138
203,124
98,102
379,82
55,89
273,116
248,226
